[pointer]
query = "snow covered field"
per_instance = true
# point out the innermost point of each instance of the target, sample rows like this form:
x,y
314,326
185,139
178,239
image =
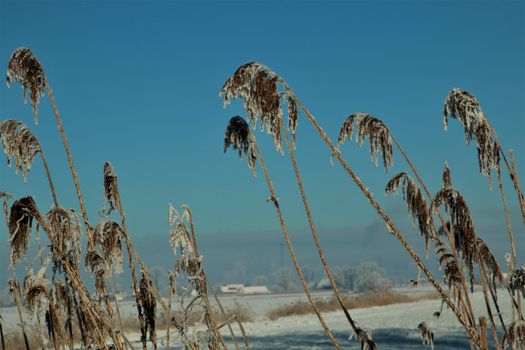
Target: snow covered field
x,y
394,326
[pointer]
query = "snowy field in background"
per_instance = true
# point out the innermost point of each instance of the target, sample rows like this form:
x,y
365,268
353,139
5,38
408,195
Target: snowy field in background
x,y
394,326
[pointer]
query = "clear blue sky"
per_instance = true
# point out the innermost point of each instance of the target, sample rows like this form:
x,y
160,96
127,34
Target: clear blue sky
x,y
137,83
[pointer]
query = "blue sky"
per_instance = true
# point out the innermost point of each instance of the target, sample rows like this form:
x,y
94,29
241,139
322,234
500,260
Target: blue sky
x,y
137,83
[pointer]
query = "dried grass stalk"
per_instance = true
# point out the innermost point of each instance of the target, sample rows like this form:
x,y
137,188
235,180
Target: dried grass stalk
x,y
237,135
258,87
369,127
20,221
19,143
111,191
24,67
416,202
464,107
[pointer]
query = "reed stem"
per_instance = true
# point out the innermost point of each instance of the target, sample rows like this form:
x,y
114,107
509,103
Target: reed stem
x,y
290,247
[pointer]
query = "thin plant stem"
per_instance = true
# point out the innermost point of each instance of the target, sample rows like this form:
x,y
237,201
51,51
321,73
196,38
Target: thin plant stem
x,y
243,332
484,283
48,174
203,286
117,308
20,317
170,294
511,168
315,235
290,247
223,312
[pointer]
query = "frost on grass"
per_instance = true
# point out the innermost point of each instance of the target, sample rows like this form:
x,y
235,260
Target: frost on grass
x,y
19,143
464,107
25,68
259,88
366,126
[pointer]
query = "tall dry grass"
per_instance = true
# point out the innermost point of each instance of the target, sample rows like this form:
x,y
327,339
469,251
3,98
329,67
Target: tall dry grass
x,y
67,314
265,96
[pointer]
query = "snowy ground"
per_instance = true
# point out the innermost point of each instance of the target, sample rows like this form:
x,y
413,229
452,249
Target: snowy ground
x,y
394,326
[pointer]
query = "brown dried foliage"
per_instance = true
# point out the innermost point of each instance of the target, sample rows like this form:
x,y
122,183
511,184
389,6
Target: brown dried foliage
x,y
20,221
24,67
369,127
19,143
237,135
416,202
464,107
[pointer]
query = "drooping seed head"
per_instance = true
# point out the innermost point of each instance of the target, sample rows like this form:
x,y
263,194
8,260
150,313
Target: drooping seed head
x,y
516,280
24,67
66,230
447,179
111,191
108,236
149,304
464,107
490,262
451,272
258,86
23,211
416,202
237,135
19,143
461,223
35,289
367,126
